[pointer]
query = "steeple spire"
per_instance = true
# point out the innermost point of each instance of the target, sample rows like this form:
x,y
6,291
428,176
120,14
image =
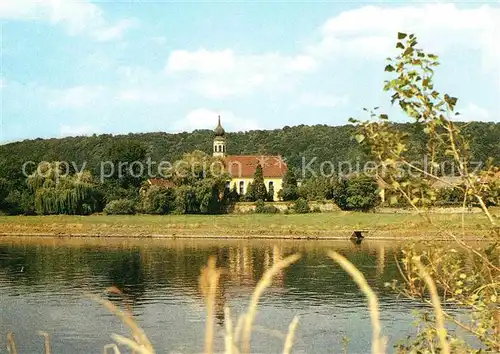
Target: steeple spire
x,y
219,131
219,140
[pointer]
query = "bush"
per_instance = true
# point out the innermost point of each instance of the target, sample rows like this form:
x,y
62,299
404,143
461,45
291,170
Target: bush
x,y
449,196
290,190
316,188
262,208
301,206
316,209
157,200
120,207
357,193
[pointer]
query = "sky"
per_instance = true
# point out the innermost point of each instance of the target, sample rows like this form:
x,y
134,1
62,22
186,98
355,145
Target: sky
x,y
84,67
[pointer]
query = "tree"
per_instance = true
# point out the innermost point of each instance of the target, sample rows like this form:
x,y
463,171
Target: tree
x,y
339,193
356,193
129,159
362,193
158,200
290,189
58,193
259,191
316,188
186,201
120,207
436,271
301,206
4,192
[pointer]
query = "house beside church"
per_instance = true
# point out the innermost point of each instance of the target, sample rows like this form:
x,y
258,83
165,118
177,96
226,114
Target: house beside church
x,y
241,168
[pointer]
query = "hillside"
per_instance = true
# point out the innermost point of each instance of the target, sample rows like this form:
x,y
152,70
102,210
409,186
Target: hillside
x,y
332,143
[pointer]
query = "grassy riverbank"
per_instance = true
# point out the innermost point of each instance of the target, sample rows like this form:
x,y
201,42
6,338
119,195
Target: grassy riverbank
x,y
325,225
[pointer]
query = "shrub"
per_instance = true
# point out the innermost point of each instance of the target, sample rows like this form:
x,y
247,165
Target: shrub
x,y
301,206
157,200
120,207
357,193
262,208
449,196
316,209
290,190
316,188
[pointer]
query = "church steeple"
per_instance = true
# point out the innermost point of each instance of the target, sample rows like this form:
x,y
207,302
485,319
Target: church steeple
x,y
219,141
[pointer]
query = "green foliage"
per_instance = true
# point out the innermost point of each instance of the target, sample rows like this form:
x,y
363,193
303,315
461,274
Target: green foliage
x,y
450,196
270,194
4,190
185,200
339,193
259,191
20,202
293,143
316,188
157,200
249,195
58,193
301,206
356,193
120,207
262,208
362,193
127,157
465,282
472,283
290,190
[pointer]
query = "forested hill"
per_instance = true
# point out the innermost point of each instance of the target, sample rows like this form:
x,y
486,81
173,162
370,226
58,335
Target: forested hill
x,y
332,143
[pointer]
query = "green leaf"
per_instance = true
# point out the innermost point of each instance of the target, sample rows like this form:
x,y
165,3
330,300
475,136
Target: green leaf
x,y
383,116
400,45
389,68
359,138
401,35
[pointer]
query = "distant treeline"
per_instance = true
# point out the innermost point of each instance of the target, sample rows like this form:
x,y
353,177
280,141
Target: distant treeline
x,y
311,145
323,142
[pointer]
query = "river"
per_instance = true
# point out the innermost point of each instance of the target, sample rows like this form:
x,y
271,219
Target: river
x,y
44,286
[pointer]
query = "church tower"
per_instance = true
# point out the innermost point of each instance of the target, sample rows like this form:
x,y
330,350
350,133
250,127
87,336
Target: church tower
x,y
219,141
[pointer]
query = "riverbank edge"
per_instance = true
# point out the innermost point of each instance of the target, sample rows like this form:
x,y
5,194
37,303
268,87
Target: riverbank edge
x,y
336,236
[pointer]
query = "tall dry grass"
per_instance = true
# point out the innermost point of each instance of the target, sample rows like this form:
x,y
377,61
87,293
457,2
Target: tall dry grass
x,y
237,339
378,342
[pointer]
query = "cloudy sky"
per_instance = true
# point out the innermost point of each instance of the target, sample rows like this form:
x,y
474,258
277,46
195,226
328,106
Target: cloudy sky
x,y
72,67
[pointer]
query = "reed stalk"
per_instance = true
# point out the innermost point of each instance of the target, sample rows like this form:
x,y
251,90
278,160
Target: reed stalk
x,y
290,335
436,304
263,283
11,344
378,342
209,279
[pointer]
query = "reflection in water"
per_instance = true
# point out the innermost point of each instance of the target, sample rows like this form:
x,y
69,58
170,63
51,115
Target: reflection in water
x,y
160,278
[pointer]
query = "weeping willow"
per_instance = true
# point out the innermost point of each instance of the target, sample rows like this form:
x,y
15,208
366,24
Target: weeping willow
x,y
68,194
79,199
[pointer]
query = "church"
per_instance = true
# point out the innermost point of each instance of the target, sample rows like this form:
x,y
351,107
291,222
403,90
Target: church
x,y
241,168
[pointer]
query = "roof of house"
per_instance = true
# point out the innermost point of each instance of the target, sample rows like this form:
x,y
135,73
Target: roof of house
x,y
160,182
243,166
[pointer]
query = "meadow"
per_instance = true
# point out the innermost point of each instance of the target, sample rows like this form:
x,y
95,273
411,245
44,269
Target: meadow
x,y
333,225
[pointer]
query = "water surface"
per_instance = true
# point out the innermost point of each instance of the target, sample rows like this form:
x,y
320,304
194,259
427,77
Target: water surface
x,y
43,283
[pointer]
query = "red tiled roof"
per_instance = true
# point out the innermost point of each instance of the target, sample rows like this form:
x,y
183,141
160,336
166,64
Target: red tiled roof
x,y
244,166
160,182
